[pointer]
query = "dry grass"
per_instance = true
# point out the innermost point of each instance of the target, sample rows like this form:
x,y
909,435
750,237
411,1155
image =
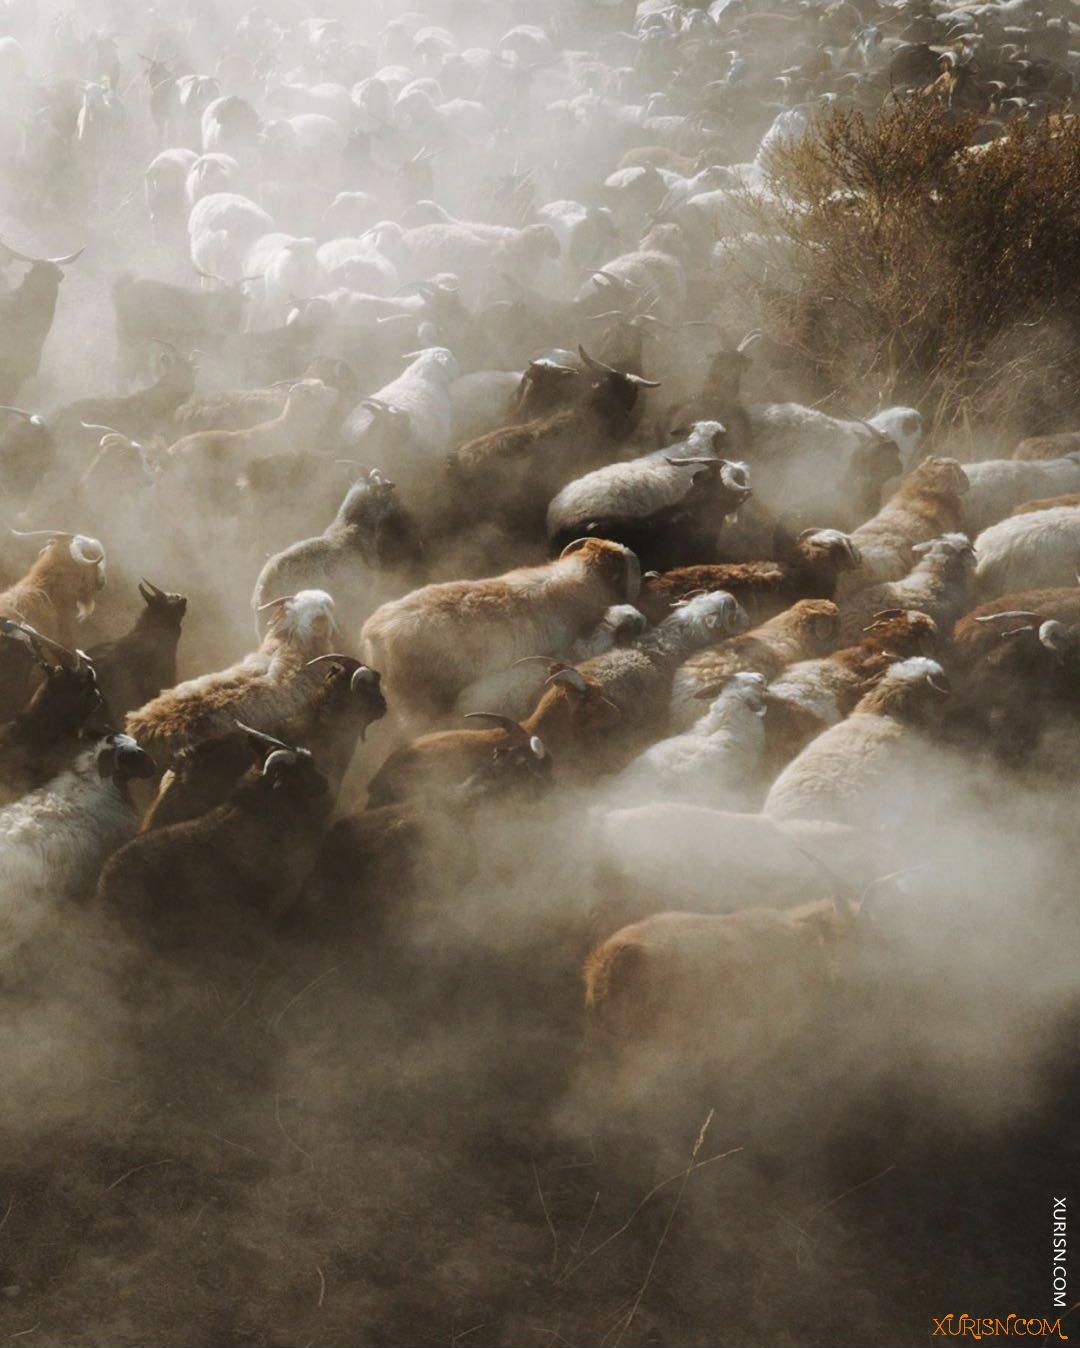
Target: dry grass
x,y
932,273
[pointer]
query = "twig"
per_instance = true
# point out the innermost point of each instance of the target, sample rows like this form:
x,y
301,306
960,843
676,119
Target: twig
x,y
588,1222
313,984
23,1332
135,1170
7,1213
547,1218
322,1287
667,1228
291,1141
456,1338
832,1203
720,1156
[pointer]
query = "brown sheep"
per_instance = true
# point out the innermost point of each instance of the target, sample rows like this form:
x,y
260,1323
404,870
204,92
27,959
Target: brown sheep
x,y
808,569
978,632
810,696
926,505
1048,503
1048,446
728,991
807,630
434,642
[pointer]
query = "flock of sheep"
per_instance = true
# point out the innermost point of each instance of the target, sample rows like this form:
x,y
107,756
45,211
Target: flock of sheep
x,y
432,403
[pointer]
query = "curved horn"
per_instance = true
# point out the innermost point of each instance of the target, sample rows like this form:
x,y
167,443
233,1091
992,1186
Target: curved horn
x,y
281,599
594,364
149,590
751,339
639,382
1009,613
506,723
681,463
68,258
573,678
268,741
23,257
42,533
575,546
19,411
278,757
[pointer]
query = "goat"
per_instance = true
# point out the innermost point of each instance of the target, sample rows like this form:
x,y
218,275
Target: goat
x,y
269,685
140,415
810,628
219,456
341,709
809,568
514,472
34,741
870,761
422,392
55,839
26,318
941,585
435,641
166,886
135,667
147,310
27,452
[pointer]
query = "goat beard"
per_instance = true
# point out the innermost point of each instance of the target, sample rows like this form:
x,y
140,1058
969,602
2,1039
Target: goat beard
x,y
84,608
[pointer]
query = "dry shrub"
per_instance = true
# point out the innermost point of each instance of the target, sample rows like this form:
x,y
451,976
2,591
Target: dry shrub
x,y
940,275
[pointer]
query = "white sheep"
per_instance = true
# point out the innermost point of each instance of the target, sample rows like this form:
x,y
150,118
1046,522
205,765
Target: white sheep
x,y
285,267
221,228
164,185
54,840
941,584
998,486
356,264
209,173
714,763
865,770
1032,551
654,269
423,392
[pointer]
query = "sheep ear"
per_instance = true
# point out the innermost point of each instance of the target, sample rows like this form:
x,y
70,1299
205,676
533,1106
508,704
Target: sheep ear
x,y
920,549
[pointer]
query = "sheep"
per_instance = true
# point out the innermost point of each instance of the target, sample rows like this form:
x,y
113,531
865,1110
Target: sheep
x,y
601,713
482,401
471,256
26,318
668,506
341,709
219,880
811,695
810,566
714,763
164,186
269,685
941,584
726,860
729,991
831,470
285,267
358,265
583,234
926,505
655,267
423,393
221,228
1044,447
810,628
870,762
35,743
1034,550
998,485
218,456
514,472
514,692
369,532
209,173
55,839
135,667
433,642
